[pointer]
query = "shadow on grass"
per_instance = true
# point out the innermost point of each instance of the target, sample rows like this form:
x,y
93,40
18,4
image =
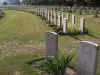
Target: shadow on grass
x,y
77,35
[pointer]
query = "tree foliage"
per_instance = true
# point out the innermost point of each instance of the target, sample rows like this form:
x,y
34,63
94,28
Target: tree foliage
x,y
62,2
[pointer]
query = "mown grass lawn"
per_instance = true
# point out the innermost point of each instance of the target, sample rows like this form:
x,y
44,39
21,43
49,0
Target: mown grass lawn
x,y
22,38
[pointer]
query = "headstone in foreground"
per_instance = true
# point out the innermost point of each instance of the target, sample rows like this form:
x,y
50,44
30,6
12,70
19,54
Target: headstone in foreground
x,y
51,44
87,58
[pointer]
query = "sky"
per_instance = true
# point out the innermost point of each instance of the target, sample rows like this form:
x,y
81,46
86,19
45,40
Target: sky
x,y
5,0
2,0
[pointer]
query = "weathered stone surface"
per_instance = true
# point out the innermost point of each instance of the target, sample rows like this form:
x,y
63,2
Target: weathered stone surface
x,y
87,58
51,44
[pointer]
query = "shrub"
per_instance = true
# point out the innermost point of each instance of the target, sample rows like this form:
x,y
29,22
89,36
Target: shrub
x,y
58,29
57,65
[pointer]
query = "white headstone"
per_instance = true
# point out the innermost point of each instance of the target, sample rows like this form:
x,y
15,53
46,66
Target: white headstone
x,y
62,17
45,13
73,19
65,25
51,44
68,16
51,16
59,21
48,16
82,24
88,52
38,11
42,13
55,18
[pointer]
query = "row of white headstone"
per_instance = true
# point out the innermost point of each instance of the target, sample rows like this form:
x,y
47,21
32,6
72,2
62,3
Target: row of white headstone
x,y
65,8
53,17
58,19
87,54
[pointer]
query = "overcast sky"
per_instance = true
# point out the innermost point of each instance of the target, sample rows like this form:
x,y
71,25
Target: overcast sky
x,y
5,0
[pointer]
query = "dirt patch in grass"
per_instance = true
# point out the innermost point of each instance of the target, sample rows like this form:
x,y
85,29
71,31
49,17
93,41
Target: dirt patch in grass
x,y
15,48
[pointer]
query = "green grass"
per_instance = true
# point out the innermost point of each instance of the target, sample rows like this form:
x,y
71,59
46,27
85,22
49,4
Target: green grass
x,y
11,65
22,38
20,25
